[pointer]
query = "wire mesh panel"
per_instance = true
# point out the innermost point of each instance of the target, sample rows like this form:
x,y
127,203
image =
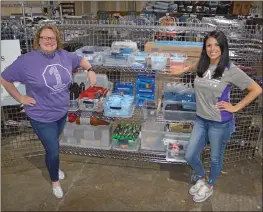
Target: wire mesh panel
x,y
17,136
20,140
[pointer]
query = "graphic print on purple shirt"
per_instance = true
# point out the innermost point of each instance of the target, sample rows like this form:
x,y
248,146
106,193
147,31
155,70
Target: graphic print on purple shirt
x,y
53,80
47,80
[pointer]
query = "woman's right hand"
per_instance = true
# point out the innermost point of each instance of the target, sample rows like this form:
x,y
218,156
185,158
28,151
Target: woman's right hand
x,y
190,67
27,100
178,72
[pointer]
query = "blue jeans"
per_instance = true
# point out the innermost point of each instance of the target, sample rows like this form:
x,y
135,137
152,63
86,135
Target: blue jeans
x,y
48,134
218,134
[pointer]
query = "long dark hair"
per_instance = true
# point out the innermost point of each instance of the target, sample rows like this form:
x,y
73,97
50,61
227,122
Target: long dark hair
x,y
204,61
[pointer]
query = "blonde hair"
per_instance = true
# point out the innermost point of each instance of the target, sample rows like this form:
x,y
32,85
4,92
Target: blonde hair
x,y
55,30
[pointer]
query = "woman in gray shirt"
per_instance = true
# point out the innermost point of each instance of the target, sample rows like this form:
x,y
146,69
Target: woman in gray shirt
x,y
215,121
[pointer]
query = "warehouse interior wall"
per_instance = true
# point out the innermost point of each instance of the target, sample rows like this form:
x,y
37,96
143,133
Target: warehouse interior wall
x,y
81,7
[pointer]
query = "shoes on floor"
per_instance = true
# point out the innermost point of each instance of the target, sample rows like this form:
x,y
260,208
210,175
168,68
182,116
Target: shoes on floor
x,y
203,193
58,192
195,188
61,175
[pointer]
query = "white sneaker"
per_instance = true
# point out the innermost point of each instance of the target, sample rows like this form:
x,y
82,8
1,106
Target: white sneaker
x,y
203,193
58,192
195,188
61,175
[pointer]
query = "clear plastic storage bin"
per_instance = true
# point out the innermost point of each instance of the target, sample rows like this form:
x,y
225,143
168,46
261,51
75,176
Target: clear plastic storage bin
x,y
179,105
149,109
177,62
152,136
87,136
117,46
141,97
119,106
115,59
94,104
172,137
175,151
102,80
68,135
158,61
138,60
126,145
73,106
171,115
172,111
94,54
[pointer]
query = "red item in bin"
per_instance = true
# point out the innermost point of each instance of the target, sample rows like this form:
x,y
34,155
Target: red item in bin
x,y
72,117
92,91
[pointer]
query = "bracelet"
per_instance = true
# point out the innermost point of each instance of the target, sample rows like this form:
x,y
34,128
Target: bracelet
x,y
90,69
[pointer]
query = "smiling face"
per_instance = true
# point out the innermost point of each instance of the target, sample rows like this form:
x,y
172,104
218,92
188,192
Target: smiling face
x,y
213,50
48,40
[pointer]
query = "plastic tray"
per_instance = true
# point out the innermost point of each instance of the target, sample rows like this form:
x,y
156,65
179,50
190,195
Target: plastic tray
x,y
122,110
152,136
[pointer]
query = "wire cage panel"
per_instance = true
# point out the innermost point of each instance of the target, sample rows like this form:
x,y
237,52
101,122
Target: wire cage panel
x,y
19,140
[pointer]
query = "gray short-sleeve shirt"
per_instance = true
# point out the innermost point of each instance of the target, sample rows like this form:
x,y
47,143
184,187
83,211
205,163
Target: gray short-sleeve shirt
x,y
211,91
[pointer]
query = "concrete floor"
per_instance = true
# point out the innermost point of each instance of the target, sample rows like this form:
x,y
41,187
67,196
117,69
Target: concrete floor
x,y
91,186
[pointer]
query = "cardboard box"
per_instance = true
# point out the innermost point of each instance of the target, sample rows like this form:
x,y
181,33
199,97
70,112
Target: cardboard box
x,y
241,7
190,51
237,8
246,8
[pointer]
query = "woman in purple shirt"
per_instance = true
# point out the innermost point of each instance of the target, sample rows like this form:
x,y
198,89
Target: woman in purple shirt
x,y
46,73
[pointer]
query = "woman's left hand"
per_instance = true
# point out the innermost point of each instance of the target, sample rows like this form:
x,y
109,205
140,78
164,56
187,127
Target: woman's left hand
x,y
226,106
92,78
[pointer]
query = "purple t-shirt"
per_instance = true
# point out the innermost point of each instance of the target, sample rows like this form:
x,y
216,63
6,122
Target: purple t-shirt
x,y
47,80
